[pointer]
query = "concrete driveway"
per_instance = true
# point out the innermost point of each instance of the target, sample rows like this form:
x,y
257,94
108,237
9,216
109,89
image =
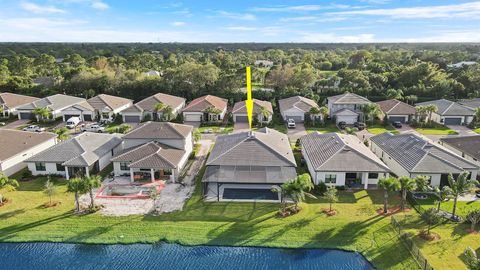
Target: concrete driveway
x,y
17,123
462,130
240,127
296,133
193,124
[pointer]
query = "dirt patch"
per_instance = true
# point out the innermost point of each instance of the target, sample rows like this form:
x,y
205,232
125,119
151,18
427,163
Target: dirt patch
x,y
51,204
5,201
289,211
392,211
429,236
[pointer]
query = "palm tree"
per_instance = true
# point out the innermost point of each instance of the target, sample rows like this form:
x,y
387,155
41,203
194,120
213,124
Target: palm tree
x,y
474,217
371,111
91,182
430,109
167,110
472,260
431,217
459,186
42,113
422,182
62,133
77,186
388,184
49,190
406,184
422,113
296,189
264,113
7,183
324,112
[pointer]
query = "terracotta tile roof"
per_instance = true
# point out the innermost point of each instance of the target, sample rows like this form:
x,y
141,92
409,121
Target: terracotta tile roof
x,y
112,102
396,107
148,104
202,103
241,107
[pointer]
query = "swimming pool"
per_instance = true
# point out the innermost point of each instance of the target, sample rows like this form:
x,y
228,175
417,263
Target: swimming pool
x,y
132,191
54,256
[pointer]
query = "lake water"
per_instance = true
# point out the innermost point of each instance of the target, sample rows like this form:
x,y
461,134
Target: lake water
x,y
163,256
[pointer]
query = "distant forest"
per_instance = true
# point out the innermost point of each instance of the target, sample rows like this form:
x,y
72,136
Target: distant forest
x,y
409,72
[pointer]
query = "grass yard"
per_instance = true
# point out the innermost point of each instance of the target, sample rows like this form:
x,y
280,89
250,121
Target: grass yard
x,y
355,227
440,130
379,129
462,207
327,129
477,130
215,129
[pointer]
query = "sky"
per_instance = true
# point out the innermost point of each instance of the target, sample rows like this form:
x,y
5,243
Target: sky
x,y
320,21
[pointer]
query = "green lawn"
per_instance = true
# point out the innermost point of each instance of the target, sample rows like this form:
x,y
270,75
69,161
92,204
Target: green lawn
x,y
477,130
326,129
440,130
216,129
355,227
462,207
379,129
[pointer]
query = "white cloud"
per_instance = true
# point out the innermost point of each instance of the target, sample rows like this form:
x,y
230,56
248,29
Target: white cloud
x,y
379,2
313,19
237,16
334,38
37,9
100,5
241,28
302,8
178,23
36,23
466,10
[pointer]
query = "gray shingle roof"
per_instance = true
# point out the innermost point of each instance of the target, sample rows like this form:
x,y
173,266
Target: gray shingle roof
x,y
241,107
339,152
14,142
471,103
396,107
448,108
10,100
112,102
348,98
301,103
148,104
419,156
55,102
265,147
82,150
151,155
467,144
159,130
202,103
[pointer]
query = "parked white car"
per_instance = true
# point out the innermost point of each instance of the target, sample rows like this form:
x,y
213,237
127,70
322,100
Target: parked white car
x,y
93,128
72,122
34,128
291,123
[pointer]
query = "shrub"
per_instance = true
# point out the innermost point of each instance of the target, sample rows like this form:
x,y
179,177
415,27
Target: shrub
x,y
27,174
320,189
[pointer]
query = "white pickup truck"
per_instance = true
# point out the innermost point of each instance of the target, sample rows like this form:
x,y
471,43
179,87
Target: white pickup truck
x,y
291,123
34,128
93,128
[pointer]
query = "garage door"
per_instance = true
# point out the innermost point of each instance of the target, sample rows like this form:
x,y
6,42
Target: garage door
x,y
400,119
297,119
453,121
350,120
68,116
241,119
26,116
249,194
192,118
131,119
87,117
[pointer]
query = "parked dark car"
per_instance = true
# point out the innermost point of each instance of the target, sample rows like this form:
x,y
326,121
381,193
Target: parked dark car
x,y
342,125
397,124
360,125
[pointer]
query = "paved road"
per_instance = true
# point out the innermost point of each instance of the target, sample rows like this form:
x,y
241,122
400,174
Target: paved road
x,y
462,130
296,133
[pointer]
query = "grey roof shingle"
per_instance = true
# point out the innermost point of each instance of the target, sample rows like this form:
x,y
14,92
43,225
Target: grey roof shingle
x,y
82,150
10,100
419,156
14,142
107,101
159,130
348,98
148,104
301,103
340,152
471,103
151,155
241,106
202,103
55,102
396,107
467,144
448,108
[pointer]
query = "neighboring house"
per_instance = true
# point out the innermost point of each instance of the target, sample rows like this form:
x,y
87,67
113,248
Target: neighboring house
x,y
341,159
461,64
467,147
56,104
107,106
471,103
449,112
246,166
83,155
199,110
346,107
264,63
152,73
82,110
146,108
239,111
9,102
410,155
296,108
16,146
154,151
397,111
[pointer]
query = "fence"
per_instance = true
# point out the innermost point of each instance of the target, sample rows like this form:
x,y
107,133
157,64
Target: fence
x,y
411,246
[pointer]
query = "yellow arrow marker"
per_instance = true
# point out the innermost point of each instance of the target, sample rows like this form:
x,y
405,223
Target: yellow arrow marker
x,y
249,101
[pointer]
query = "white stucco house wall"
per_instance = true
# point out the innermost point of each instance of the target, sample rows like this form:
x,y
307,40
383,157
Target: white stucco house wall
x,y
450,112
346,107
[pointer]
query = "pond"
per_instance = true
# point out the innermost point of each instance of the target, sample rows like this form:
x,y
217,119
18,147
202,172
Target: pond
x,y
172,256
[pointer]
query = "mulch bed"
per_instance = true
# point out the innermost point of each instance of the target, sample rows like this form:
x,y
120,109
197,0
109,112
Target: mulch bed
x,y
391,211
5,201
329,213
429,237
53,204
289,212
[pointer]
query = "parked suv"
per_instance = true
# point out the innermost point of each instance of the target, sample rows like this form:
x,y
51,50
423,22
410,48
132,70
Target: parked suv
x,y
93,128
360,125
291,123
342,125
34,128
397,124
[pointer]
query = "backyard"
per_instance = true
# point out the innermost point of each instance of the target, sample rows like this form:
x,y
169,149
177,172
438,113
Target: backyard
x,y
437,130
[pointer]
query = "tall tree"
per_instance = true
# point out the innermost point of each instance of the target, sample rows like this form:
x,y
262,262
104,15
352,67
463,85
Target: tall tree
x,y
457,187
406,184
92,182
389,184
76,186
6,183
49,190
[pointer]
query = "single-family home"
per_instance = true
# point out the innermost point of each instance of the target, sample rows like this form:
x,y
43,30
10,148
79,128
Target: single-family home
x,y
107,106
145,109
55,104
9,103
154,151
449,112
16,146
153,73
397,111
473,103
239,111
462,64
467,147
341,160
296,108
346,107
83,155
246,166
410,155
205,109
83,110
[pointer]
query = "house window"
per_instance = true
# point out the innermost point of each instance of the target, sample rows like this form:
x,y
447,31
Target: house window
x,y
372,175
330,178
124,166
167,172
40,166
60,168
